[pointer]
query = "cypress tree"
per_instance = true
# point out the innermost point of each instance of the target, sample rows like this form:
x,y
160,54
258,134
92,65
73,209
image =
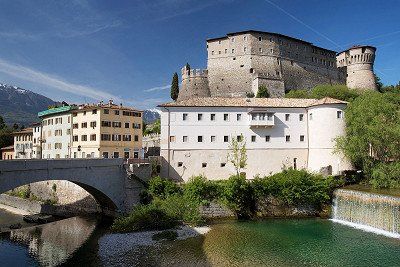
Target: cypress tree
x,y
262,92
175,87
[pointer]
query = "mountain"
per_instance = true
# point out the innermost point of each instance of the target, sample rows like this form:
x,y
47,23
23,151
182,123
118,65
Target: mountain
x,y
18,105
151,115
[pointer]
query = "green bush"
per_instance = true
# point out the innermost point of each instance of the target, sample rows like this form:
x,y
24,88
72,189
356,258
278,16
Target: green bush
x,y
200,190
336,91
144,217
162,188
386,175
295,187
238,196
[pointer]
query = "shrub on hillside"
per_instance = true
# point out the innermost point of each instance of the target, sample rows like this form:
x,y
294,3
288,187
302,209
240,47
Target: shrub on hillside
x,y
337,91
386,175
295,187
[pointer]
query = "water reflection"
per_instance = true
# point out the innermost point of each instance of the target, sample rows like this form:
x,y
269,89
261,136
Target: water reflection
x,y
52,244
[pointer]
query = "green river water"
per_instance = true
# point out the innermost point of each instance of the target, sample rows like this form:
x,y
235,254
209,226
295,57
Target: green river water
x,y
306,242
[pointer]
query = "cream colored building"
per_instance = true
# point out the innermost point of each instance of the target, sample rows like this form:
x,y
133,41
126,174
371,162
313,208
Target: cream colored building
x,y
107,131
7,153
23,144
279,133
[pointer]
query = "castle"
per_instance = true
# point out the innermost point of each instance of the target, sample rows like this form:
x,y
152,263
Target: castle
x,y
240,62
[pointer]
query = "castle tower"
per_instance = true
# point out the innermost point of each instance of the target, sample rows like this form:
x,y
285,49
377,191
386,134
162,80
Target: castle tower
x,y
194,83
358,62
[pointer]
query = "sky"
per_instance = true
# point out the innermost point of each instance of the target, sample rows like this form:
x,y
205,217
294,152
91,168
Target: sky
x,y
86,51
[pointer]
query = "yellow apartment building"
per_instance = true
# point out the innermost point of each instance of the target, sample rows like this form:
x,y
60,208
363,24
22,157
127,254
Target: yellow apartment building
x,y
106,131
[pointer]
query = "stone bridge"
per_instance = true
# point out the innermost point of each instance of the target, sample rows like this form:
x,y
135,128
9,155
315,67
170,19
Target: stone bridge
x,y
107,180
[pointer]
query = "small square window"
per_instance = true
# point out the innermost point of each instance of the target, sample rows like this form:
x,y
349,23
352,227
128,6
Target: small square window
x,y
184,116
238,117
212,138
287,117
212,116
310,116
203,165
259,38
226,117
226,138
267,138
199,116
301,138
239,138
199,138
301,117
253,138
184,139
287,138
233,51
339,114
223,164
180,164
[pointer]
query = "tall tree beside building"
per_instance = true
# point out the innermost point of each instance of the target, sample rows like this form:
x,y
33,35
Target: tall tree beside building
x,y
238,153
175,87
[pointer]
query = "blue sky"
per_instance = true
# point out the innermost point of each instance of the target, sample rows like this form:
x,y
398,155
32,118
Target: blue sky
x,y
82,50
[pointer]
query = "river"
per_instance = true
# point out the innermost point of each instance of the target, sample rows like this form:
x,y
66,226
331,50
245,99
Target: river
x,y
80,241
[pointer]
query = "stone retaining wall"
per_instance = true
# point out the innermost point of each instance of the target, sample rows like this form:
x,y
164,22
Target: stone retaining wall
x,y
273,207
216,210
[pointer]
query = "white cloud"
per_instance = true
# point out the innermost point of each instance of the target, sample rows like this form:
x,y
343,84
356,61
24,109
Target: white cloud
x,y
158,88
31,75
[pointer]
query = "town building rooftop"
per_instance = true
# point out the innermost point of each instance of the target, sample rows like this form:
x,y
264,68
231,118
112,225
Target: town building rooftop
x,y
252,102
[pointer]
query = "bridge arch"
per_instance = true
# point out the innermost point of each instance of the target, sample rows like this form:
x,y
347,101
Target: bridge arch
x,y
104,179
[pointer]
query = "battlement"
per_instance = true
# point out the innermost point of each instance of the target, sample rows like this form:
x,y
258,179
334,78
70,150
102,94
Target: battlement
x,y
193,73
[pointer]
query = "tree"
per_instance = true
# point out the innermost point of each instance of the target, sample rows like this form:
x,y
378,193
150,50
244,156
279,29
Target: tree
x,y
2,123
372,130
378,83
262,92
238,154
337,91
302,93
175,87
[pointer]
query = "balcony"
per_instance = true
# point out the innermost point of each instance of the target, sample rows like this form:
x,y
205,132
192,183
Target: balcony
x,y
262,119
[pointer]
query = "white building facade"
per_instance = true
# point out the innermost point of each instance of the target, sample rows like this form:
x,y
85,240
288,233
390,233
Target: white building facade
x,y
279,133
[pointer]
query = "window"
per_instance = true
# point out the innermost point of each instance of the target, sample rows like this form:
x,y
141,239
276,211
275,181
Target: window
x,y
267,138
244,49
172,139
269,116
92,137
75,138
199,116
126,124
259,38
136,125
253,138
233,51
116,124
310,116
301,117
106,123
301,138
94,111
212,138
75,126
184,116
287,138
136,138
116,137
238,117
84,137
93,124
106,111
226,138
295,163
105,137
223,164
180,164
226,117
58,132
57,145
116,155
239,138
84,113
212,116
212,52
127,138
203,165
116,112
84,125
199,138
184,138
339,114
287,117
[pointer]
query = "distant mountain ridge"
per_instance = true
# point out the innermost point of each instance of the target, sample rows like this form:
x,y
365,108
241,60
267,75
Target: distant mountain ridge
x,y
151,115
18,105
